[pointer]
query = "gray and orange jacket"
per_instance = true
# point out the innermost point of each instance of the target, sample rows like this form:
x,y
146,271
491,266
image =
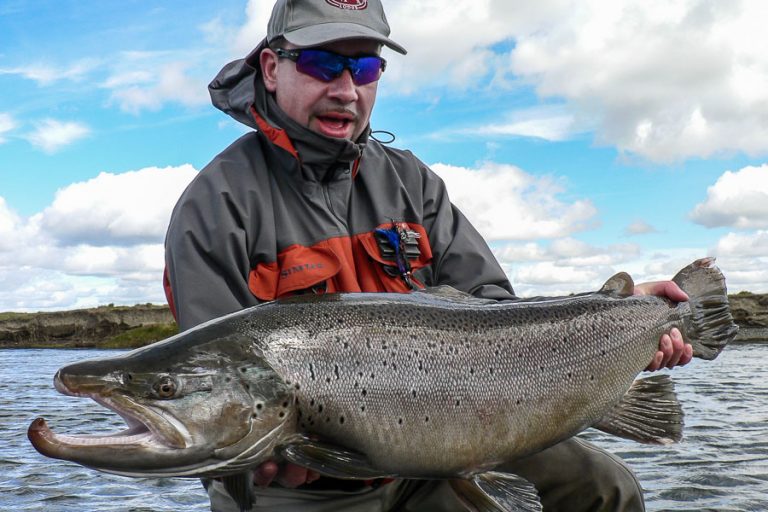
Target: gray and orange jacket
x,y
284,210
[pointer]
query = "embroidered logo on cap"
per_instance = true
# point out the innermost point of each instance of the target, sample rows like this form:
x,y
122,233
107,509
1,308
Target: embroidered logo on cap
x,y
354,5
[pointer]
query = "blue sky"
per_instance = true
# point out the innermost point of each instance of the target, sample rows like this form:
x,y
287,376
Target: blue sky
x,y
581,138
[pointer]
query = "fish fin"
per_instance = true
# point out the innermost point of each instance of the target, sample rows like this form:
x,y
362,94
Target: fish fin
x,y
494,491
331,460
239,487
648,413
710,326
620,285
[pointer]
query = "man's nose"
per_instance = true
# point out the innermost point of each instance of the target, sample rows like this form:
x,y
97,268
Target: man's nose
x,y
343,88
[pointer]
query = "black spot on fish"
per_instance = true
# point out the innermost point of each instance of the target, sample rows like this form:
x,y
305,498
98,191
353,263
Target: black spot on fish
x,y
364,392
413,392
312,403
341,420
426,419
400,421
311,371
362,408
259,406
285,404
320,408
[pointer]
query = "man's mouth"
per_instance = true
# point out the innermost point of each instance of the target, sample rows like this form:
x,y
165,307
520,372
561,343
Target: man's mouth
x,y
336,124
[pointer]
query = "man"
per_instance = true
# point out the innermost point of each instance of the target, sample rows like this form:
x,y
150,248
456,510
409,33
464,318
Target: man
x,y
306,204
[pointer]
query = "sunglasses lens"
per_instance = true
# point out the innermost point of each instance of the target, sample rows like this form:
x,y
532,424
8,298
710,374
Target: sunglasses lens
x,y
366,70
326,66
322,65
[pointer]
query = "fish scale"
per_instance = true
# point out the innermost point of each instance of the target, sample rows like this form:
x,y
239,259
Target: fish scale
x,y
432,385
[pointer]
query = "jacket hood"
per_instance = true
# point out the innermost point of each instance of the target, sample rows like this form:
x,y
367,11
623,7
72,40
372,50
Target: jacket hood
x,y
239,91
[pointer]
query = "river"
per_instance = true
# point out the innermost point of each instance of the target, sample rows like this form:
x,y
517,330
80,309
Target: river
x,y
721,465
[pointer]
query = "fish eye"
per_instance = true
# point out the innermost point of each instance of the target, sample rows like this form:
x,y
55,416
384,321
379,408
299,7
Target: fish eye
x,y
165,387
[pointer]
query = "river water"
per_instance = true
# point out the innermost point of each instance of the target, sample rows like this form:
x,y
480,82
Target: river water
x,y
721,465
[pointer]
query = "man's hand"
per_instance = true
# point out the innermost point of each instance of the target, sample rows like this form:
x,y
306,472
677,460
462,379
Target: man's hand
x,y
672,350
289,475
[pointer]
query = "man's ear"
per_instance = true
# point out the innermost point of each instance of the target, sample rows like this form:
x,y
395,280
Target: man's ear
x,y
268,62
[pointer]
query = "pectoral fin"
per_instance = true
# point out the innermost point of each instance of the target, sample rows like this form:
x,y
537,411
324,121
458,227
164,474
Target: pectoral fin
x,y
239,488
331,460
649,413
494,491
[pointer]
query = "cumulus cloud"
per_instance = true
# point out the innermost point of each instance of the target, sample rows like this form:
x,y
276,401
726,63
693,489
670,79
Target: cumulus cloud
x,y
505,203
100,241
738,200
50,135
116,209
564,265
6,125
665,81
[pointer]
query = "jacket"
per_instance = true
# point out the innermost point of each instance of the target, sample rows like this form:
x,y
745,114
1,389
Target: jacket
x,y
284,210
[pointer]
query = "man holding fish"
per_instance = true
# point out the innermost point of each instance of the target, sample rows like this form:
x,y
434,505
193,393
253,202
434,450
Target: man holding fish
x,y
311,202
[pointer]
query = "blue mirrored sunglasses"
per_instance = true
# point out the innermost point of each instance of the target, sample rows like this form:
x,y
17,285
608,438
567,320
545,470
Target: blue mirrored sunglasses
x,y
326,66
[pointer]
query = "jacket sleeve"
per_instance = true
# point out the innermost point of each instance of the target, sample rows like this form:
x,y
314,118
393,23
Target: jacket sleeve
x,y
206,254
461,257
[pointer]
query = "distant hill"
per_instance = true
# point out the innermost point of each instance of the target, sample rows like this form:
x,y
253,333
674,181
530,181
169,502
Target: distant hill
x,y
133,326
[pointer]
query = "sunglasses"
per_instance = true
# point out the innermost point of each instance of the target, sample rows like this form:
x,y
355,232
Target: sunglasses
x,y
326,66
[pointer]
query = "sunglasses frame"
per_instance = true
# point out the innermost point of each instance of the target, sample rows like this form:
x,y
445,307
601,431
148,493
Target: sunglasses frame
x,y
349,63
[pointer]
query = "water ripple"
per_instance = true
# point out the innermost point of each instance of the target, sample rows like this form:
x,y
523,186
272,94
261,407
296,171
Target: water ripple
x,y
721,464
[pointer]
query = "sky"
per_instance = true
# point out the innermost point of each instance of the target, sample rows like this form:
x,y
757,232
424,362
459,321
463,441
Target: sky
x,y
581,137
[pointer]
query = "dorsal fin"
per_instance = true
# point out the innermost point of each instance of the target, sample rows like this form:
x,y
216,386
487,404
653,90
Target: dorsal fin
x,y
620,284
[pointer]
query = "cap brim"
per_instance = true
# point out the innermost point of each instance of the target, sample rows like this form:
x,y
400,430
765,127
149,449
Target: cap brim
x,y
316,35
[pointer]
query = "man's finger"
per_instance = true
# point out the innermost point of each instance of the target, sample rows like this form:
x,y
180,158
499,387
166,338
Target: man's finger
x,y
265,473
292,476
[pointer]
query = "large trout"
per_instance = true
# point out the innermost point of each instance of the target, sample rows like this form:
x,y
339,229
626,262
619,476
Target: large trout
x,y
432,384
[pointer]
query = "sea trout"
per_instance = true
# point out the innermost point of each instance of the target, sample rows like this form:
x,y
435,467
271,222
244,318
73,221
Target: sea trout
x,y
434,384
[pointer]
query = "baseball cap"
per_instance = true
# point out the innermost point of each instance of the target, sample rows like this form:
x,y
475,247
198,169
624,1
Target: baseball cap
x,y
305,23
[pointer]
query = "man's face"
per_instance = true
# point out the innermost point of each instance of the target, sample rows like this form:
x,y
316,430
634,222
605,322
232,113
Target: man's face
x,y
338,108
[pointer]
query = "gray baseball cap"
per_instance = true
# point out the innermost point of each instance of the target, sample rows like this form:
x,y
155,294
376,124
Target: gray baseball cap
x,y
305,23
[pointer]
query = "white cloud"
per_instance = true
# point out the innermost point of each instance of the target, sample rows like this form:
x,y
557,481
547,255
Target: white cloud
x,y
45,74
6,125
504,202
116,209
743,245
51,135
100,241
665,81
639,227
738,199
149,90
548,123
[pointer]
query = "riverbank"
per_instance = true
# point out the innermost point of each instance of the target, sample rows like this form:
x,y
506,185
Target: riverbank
x,y
102,327
134,326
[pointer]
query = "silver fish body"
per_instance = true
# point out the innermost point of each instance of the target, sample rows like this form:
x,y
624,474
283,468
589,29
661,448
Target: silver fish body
x,y
432,384
427,385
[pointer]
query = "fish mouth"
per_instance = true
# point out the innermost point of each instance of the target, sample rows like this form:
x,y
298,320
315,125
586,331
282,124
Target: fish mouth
x,y
145,429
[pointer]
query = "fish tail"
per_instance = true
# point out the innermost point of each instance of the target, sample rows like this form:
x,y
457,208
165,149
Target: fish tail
x,y
709,326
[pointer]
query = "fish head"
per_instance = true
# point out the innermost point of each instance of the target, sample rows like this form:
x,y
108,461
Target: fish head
x,y
203,403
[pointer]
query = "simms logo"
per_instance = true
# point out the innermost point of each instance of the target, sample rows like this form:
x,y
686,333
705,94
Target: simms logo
x,y
286,272
354,5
